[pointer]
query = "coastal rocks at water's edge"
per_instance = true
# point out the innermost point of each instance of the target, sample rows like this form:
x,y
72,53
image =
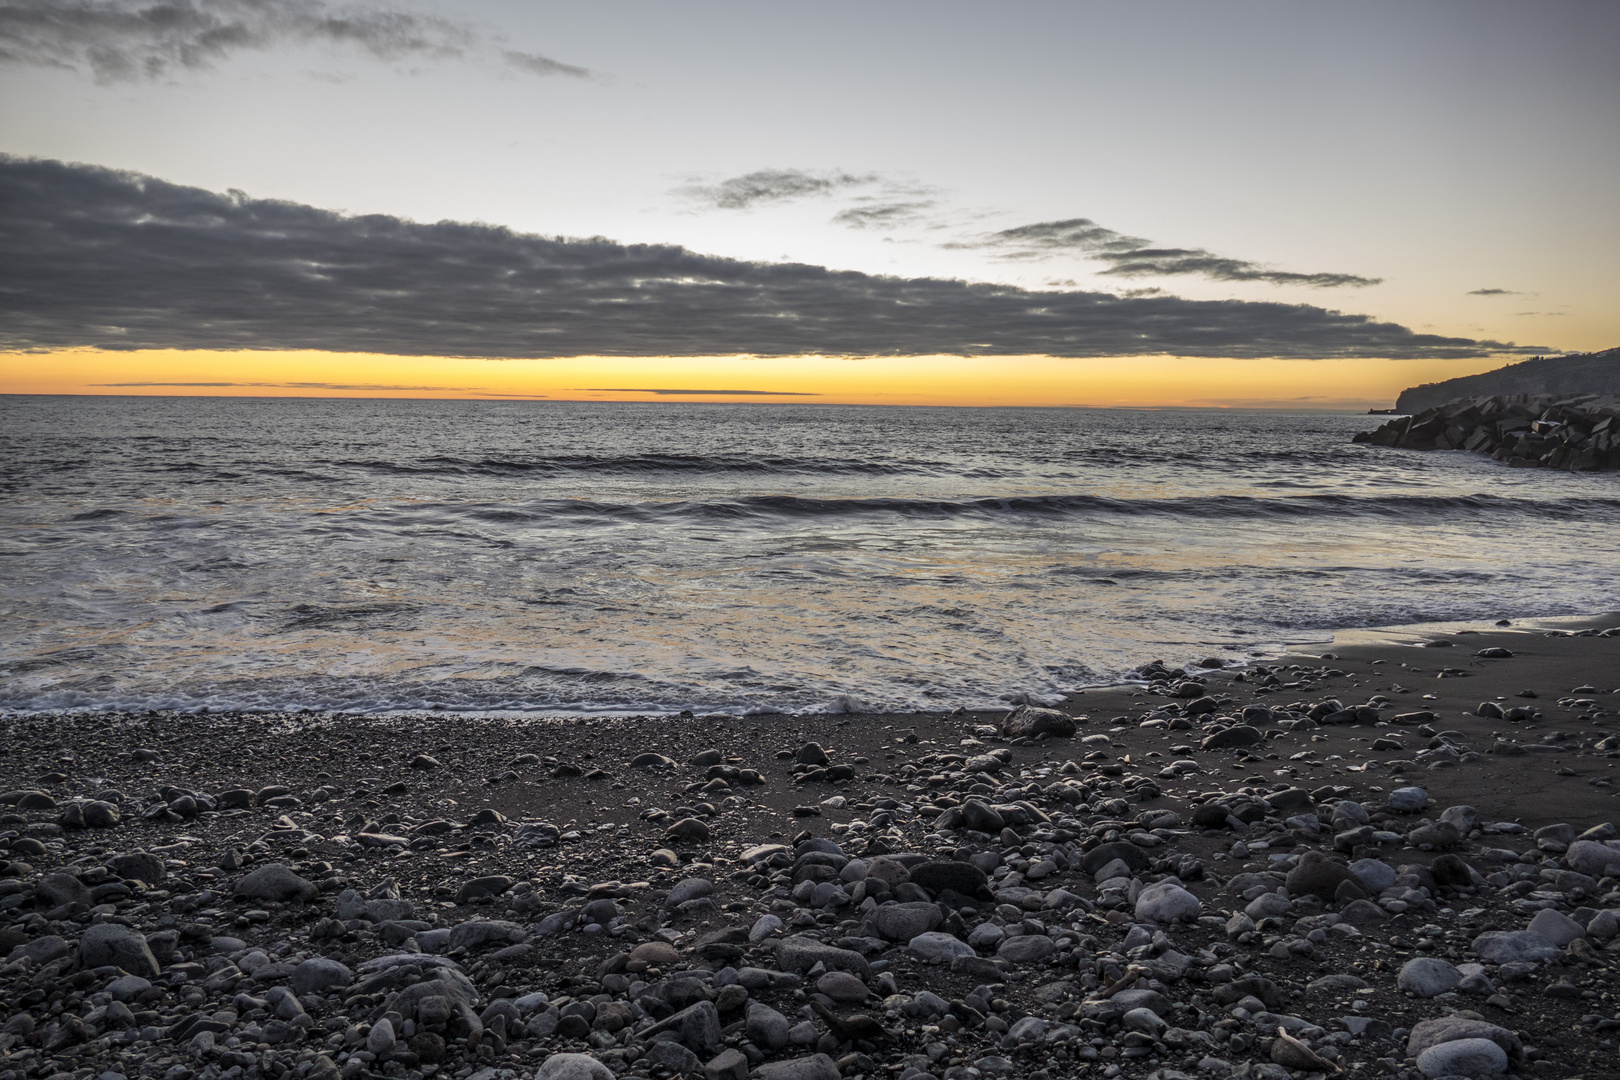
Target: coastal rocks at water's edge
x,y
963,898
1572,433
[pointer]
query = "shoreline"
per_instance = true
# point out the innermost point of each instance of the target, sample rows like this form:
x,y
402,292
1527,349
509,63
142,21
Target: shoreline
x,y
487,847
1394,635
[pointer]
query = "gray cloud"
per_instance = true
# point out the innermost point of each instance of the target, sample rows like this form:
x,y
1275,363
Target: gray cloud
x,y
682,393
1132,256
771,185
100,258
124,40
1494,292
881,215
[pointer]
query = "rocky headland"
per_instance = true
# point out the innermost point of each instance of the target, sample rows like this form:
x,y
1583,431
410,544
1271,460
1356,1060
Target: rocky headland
x,y
1552,376
1528,431
1393,860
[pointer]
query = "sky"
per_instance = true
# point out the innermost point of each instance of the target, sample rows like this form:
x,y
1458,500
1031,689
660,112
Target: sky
x,y
1295,205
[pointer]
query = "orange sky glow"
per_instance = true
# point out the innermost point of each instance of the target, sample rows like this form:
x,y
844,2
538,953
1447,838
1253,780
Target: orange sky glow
x,y
1143,381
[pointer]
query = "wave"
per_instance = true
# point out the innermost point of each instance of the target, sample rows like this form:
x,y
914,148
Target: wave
x,y
1415,508
643,464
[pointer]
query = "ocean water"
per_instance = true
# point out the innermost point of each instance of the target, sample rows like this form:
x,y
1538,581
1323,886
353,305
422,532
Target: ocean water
x,y
187,553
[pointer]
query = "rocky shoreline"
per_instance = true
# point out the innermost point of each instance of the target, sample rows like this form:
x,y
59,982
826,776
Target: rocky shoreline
x,y
1578,434
1379,861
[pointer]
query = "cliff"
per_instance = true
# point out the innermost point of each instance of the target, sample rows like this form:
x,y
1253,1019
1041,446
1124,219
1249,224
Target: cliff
x,y
1559,376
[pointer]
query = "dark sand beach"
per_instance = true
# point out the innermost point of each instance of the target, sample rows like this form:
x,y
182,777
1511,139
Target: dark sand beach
x,y
317,895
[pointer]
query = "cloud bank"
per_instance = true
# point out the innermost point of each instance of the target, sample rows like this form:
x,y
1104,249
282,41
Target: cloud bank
x,y
1132,256
127,40
684,393
100,258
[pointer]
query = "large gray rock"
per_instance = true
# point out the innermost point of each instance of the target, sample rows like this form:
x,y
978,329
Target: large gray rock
x,y
767,1028
1232,737
138,866
1375,875
1027,720
1556,927
481,933
573,1067
959,877
696,1027
936,947
116,945
1427,1033
1428,976
800,953
690,889
1592,858
1463,1057
902,922
1026,948
318,974
1514,946
55,890
1166,902
671,1055
1408,800
814,1067
274,882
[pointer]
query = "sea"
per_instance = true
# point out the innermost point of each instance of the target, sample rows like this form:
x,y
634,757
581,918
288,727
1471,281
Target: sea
x,y
549,557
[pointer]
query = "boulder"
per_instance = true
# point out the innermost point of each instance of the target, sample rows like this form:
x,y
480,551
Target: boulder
x,y
1428,976
959,877
902,922
1166,902
573,1067
1029,721
274,882
1317,875
1514,946
116,945
1463,1057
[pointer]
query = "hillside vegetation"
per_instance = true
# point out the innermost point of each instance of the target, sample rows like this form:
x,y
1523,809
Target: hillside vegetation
x,y
1579,373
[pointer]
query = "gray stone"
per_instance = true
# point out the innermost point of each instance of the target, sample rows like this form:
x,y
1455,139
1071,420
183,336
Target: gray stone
x,y
767,1028
1408,800
697,1027
814,1067
690,889
842,986
726,1065
1514,946
1465,819
939,948
274,881
800,953
1556,927
1029,721
959,877
1428,976
116,945
128,987
481,933
138,866
1232,737
1166,902
1463,1057
573,1067
902,922
317,975
1427,1033
55,890
1375,875
671,1055
1592,858
381,1039
1026,948
41,950
492,885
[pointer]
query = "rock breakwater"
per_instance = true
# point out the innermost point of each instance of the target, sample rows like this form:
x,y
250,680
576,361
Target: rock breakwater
x,y
1524,430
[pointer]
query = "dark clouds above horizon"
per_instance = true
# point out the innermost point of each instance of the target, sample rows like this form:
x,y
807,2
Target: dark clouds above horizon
x,y
101,258
1133,257
128,40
